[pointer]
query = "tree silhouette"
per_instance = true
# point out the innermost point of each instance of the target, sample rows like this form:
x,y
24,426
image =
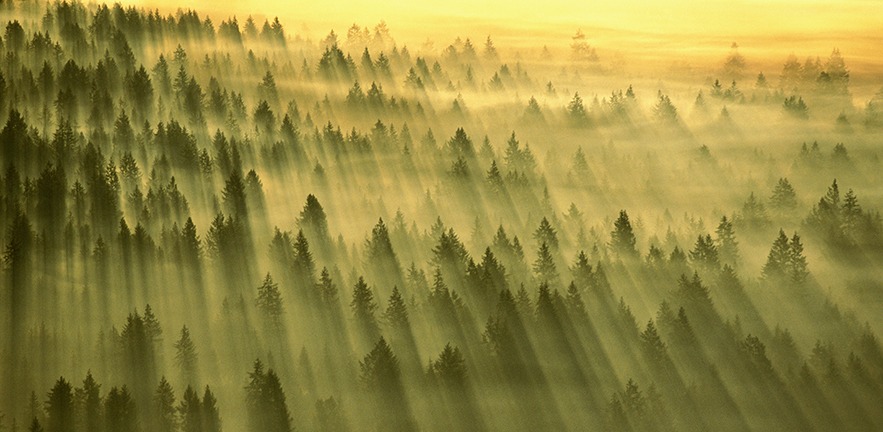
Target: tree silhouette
x,y
186,355
269,303
622,238
265,401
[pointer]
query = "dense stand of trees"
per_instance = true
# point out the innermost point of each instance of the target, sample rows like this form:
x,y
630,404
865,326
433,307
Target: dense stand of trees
x,y
462,259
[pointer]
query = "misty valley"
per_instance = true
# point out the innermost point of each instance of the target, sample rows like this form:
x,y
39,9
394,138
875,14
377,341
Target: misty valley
x,y
217,223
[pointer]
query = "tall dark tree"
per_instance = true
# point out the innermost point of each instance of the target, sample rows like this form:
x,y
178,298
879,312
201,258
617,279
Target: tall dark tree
x,y
544,266
265,402
380,256
622,238
313,221
119,411
381,378
60,407
396,314
727,245
88,405
269,303
165,417
779,258
211,417
363,307
705,253
190,411
186,355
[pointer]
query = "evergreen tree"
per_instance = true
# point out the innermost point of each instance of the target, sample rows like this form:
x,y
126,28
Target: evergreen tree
x,y
119,411
544,266
60,407
265,402
304,266
546,234
185,355
328,290
779,259
449,369
381,378
363,308
784,199
211,417
575,305
379,253
396,314
89,404
705,254
622,238
330,417
313,221
190,411
727,246
164,407
269,303
576,111
652,345
753,215
797,270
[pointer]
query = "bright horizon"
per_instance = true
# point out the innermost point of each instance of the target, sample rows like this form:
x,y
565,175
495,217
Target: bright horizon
x,y
737,18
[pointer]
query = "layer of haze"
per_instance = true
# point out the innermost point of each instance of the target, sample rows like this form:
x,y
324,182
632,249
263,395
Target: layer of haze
x,y
785,21
657,35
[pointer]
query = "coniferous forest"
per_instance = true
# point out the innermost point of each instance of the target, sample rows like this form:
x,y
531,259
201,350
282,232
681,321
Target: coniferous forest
x,y
216,223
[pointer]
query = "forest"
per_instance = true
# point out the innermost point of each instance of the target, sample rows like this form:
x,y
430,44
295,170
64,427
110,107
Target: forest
x,y
219,224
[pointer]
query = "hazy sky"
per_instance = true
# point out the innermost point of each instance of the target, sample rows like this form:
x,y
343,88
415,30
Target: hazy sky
x,y
767,30
734,17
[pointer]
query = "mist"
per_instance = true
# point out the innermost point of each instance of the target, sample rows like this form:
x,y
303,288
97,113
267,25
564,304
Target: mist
x,y
215,220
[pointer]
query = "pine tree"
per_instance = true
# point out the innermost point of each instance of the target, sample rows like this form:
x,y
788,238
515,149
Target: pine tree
x,y
622,238
265,402
269,302
396,314
60,407
303,265
798,270
576,111
546,234
851,213
89,404
190,411
753,215
185,355
652,344
705,254
363,308
449,370
119,411
210,416
330,417
575,304
784,199
164,407
234,196
494,178
779,258
544,266
727,246
379,252
582,271
151,325
328,290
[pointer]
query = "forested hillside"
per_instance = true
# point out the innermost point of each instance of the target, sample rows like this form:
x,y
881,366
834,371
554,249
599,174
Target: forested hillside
x,y
219,224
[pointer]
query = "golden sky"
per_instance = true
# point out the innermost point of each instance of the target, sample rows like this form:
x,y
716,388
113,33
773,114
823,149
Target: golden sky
x,y
773,28
735,17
